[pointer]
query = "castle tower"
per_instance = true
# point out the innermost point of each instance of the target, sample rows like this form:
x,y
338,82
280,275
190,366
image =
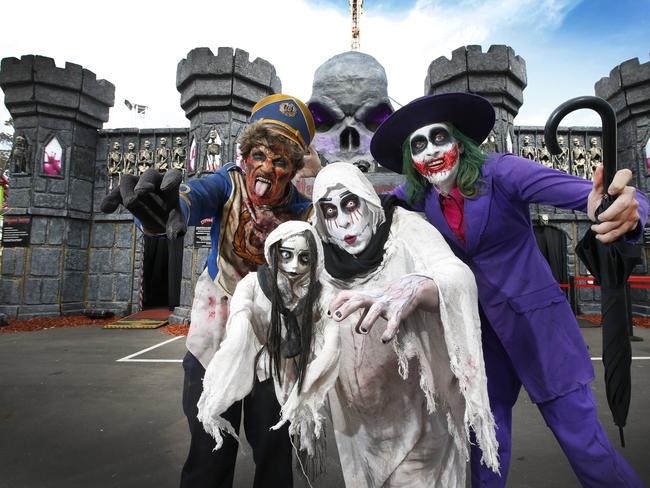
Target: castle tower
x,y
56,113
498,75
218,92
627,89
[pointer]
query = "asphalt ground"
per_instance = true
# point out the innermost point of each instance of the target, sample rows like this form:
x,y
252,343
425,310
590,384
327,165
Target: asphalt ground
x,y
87,407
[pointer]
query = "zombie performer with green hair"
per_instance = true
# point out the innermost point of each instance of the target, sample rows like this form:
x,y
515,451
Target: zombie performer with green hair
x,y
480,203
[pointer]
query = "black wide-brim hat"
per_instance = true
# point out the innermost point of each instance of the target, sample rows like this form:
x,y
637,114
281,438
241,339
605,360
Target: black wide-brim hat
x,y
471,114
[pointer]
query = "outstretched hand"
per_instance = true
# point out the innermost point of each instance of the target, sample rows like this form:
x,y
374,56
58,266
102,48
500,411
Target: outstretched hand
x,y
394,303
622,216
153,199
312,163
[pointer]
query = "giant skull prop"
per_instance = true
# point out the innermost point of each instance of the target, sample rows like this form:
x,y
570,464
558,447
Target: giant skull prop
x,y
349,100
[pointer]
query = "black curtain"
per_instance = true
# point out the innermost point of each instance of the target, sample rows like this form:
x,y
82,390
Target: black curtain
x,y
552,243
162,269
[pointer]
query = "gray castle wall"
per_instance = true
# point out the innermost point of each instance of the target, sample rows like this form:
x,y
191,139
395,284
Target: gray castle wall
x,y
49,277
79,258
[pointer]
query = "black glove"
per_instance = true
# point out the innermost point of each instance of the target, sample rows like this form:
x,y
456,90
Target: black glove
x,y
153,199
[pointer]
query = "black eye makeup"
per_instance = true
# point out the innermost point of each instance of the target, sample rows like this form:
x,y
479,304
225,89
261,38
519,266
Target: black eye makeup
x,y
329,211
439,136
259,156
304,257
418,144
286,254
349,203
280,163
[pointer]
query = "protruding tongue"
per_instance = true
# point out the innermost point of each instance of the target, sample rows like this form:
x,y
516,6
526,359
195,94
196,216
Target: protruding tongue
x,y
261,187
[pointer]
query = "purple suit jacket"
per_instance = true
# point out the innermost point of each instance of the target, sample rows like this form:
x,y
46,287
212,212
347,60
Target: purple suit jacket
x,y
517,292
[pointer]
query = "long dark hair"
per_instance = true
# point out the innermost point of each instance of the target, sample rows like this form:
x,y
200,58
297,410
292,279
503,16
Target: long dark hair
x,y
307,311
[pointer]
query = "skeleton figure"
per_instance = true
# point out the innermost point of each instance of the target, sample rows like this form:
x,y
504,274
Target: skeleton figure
x,y
130,164
349,100
594,156
213,151
180,155
145,157
545,156
114,164
562,159
527,151
490,144
579,159
19,155
163,154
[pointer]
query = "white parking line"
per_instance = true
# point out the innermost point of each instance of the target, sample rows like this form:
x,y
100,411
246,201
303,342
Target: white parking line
x,y
129,358
634,358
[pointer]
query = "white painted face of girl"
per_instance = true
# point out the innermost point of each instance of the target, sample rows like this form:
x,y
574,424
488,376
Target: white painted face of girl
x,y
348,219
435,153
295,257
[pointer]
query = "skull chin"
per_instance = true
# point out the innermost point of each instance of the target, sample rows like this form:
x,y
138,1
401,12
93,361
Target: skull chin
x,y
262,186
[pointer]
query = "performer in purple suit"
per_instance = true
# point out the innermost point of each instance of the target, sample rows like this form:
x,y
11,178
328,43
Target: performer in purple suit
x,y
480,203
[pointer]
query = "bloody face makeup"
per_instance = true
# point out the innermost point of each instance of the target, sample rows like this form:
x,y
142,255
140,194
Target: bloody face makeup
x,y
435,153
347,218
268,173
295,257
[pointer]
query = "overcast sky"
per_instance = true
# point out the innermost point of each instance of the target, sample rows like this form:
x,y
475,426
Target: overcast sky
x,y
568,44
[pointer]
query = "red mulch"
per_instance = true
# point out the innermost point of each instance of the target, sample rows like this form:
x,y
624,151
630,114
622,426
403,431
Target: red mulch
x,y
40,323
637,321
175,329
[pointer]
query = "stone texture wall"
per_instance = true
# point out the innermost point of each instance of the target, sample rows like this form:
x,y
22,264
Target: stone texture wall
x,y
68,104
627,89
219,92
79,258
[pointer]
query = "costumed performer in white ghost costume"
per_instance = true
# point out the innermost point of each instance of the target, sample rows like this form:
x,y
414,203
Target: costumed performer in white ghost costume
x,y
401,412
277,313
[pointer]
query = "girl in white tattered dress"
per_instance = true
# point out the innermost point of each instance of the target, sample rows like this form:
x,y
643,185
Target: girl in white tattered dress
x,y
401,412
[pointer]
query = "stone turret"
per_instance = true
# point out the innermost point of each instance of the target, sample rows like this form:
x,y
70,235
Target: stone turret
x,y
219,92
498,75
627,89
56,114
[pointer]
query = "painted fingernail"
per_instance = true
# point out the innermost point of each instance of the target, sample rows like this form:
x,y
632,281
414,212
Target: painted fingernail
x,y
329,314
385,341
363,331
338,314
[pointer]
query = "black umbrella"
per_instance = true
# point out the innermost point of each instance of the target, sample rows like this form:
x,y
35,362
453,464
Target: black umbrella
x,y
610,264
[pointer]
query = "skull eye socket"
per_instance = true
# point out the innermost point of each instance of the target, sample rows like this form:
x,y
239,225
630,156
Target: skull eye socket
x,y
376,115
323,118
418,144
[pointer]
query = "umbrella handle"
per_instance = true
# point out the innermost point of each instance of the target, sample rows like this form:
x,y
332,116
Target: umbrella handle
x,y
608,119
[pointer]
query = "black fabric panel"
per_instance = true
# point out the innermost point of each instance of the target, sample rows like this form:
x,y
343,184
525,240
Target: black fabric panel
x,y
154,268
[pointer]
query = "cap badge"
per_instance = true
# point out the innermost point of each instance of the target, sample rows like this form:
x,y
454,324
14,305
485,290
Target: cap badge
x,y
289,109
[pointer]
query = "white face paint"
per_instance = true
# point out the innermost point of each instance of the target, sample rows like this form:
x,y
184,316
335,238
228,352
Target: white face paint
x,y
295,257
436,153
348,219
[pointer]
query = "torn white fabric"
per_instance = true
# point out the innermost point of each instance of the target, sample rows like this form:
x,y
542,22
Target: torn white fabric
x,y
402,412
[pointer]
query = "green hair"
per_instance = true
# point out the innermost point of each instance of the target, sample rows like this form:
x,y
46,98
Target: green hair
x,y
469,169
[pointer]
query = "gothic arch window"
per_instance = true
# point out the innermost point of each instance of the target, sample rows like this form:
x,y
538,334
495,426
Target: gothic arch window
x,y
646,154
53,158
191,163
